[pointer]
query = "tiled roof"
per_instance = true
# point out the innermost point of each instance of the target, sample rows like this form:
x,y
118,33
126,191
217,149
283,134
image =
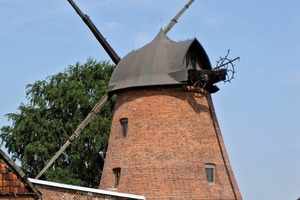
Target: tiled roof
x,y
9,182
13,181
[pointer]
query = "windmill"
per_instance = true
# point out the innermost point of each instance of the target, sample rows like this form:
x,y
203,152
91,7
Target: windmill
x,y
165,141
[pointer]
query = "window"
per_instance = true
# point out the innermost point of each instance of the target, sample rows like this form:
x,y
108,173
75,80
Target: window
x,y
192,61
210,172
117,174
124,124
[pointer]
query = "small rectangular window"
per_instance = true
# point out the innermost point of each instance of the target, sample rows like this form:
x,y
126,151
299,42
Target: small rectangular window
x,y
124,124
210,172
117,175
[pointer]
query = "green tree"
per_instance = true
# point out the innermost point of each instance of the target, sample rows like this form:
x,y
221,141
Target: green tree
x,y
55,108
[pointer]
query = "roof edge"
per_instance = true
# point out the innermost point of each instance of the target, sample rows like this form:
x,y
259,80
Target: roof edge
x,y
20,173
86,189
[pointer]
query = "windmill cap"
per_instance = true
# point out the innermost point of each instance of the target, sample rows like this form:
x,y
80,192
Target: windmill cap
x,y
160,62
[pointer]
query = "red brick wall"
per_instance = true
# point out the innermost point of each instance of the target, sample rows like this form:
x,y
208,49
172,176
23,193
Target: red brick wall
x,y
172,134
56,193
15,197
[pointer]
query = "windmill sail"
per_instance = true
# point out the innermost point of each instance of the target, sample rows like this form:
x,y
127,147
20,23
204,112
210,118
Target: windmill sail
x,y
109,50
175,19
83,124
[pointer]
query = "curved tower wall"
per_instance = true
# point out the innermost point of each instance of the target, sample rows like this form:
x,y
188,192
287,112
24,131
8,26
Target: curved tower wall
x,y
172,135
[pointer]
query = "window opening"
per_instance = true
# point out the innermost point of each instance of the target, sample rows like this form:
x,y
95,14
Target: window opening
x,y
192,61
117,174
210,172
124,124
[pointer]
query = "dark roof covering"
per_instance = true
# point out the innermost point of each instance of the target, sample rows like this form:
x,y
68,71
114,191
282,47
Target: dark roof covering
x,y
13,180
159,62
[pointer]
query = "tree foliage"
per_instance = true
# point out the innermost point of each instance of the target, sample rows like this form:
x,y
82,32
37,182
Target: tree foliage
x,y
55,108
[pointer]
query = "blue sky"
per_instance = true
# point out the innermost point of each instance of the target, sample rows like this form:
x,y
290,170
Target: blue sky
x,y
259,111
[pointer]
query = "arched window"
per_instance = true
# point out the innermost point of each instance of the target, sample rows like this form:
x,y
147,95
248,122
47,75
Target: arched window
x,y
192,61
117,175
210,172
124,124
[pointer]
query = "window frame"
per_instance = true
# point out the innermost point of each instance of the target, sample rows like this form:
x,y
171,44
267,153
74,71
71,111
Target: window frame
x,y
210,172
124,125
117,176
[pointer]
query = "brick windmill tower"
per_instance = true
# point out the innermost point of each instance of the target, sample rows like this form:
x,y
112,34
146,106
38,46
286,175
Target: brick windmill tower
x,y
165,141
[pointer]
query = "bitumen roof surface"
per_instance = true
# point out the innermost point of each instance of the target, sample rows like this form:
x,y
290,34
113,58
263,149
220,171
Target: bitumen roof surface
x,y
159,62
